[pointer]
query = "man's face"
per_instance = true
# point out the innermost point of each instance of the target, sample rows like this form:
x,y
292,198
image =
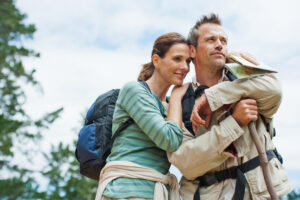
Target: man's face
x,y
211,50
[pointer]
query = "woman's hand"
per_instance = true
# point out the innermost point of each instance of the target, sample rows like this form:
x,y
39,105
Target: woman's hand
x,y
245,55
175,108
179,91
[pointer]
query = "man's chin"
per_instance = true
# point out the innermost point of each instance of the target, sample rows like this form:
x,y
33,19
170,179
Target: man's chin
x,y
219,64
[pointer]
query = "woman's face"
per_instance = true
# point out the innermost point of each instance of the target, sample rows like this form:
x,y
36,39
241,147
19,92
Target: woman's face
x,y
174,66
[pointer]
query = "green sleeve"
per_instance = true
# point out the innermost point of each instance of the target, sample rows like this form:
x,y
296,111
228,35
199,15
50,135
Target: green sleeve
x,y
142,107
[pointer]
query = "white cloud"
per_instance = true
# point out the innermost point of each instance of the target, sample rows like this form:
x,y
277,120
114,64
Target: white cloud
x,y
74,78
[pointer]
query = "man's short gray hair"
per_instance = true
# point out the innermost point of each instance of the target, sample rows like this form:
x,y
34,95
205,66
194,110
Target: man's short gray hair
x,y
194,33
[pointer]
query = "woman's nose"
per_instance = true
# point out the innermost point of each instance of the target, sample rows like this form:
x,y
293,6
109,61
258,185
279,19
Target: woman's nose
x,y
185,67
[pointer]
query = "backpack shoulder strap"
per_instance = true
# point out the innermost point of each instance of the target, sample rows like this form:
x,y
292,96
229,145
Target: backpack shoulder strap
x,y
120,129
269,126
187,102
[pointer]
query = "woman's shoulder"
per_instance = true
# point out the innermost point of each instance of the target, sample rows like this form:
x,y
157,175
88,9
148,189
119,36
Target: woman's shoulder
x,y
134,90
134,86
131,84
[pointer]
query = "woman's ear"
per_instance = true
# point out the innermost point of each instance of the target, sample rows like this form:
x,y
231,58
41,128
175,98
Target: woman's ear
x,y
155,60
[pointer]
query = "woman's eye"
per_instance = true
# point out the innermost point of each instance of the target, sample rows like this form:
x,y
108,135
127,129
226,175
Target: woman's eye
x,y
177,59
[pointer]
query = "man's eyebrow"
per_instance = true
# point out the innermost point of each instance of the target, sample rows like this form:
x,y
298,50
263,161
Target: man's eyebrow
x,y
214,36
209,36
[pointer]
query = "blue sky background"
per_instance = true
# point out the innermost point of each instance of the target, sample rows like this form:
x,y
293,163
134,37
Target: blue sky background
x,y
88,47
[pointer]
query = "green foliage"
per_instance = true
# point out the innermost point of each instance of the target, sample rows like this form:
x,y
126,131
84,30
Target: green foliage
x,y
61,171
17,188
17,128
14,120
65,181
293,195
12,31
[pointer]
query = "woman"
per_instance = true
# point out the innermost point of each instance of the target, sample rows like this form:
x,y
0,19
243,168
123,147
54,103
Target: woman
x,y
138,162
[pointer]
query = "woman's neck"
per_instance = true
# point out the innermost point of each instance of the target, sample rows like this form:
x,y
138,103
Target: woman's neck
x,y
159,86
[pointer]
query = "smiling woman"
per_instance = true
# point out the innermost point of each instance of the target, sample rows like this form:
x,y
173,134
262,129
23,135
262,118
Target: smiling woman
x,y
173,67
138,162
178,52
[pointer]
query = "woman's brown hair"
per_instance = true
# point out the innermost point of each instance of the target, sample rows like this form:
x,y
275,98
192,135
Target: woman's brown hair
x,y
160,47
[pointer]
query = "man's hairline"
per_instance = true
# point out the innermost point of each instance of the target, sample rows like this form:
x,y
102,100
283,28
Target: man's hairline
x,y
198,35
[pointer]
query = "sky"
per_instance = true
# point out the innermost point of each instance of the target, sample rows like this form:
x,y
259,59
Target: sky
x,y
89,47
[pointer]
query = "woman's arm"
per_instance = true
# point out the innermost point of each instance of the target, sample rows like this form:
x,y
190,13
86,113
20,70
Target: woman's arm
x,y
175,107
142,107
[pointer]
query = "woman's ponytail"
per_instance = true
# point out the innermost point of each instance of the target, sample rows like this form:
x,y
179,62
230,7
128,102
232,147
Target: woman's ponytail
x,y
146,72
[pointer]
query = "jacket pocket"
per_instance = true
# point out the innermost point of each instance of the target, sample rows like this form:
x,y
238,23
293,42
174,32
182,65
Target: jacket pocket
x,y
277,173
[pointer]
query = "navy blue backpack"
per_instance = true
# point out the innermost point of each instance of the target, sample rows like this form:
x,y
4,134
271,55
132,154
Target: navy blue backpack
x,y
95,137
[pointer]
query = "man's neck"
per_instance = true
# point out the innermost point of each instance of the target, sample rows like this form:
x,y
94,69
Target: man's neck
x,y
208,77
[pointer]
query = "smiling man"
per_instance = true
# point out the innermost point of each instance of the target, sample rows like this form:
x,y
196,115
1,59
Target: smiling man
x,y
217,157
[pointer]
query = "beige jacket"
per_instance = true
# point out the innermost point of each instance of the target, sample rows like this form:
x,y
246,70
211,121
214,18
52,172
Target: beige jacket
x,y
205,153
116,169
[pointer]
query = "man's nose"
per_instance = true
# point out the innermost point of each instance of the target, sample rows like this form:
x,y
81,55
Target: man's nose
x,y
219,44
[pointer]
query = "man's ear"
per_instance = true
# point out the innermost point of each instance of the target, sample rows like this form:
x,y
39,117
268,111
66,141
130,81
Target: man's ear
x,y
192,51
155,60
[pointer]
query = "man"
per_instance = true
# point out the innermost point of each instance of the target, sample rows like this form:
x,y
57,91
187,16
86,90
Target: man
x,y
220,160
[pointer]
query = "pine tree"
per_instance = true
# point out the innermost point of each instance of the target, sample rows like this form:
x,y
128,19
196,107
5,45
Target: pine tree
x,y
65,181
16,126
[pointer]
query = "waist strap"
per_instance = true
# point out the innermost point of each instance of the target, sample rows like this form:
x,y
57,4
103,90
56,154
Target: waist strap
x,y
236,172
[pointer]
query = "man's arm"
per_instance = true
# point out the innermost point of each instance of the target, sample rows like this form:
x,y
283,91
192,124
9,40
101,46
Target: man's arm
x,y
196,156
266,90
